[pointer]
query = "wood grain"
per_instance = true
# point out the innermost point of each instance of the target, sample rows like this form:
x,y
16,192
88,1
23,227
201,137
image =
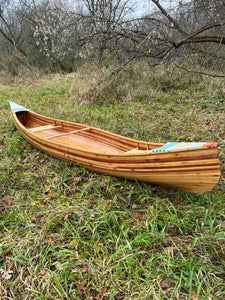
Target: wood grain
x,y
194,170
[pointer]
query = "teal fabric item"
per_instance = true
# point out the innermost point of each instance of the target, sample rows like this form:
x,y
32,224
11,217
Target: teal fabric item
x,y
16,107
177,146
163,148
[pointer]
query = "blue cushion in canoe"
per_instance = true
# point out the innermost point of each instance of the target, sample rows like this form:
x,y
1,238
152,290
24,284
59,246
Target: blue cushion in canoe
x,y
177,146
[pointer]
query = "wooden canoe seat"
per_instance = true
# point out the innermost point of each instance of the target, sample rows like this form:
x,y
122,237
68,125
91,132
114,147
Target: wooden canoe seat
x,y
42,128
65,133
134,151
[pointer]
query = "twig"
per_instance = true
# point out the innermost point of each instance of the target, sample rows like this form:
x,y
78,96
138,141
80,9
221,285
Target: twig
x,y
198,72
21,61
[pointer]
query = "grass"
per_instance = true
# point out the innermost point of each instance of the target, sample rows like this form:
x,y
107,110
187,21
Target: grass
x,y
68,233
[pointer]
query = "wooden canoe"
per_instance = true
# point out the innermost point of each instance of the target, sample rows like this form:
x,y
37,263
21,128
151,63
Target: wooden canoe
x,y
194,170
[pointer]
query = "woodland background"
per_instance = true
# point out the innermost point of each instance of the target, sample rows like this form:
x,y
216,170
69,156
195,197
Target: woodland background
x,y
149,70
62,35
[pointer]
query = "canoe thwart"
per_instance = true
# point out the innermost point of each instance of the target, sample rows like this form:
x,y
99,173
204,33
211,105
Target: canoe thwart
x,y
42,128
65,133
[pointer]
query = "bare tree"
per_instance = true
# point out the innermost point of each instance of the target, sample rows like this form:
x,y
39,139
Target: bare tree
x,y
191,27
104,22
65,34
11,23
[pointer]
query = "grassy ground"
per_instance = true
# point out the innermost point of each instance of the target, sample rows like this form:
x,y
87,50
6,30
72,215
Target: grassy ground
x,y
68,233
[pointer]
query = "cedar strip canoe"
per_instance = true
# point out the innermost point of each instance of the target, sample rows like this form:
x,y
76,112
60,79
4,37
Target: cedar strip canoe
x,y
191,167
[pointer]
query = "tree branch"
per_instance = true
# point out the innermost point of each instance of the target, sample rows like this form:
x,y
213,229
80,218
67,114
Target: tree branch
x,y
167,15
197,72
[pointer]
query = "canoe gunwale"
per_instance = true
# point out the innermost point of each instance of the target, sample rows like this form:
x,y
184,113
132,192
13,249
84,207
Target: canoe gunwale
x,y
124,154
193,170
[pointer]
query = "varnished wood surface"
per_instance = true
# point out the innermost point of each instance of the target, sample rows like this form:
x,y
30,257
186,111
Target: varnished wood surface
x,y
194,170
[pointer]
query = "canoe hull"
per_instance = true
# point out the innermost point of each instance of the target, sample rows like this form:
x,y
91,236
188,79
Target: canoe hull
x,y
193,171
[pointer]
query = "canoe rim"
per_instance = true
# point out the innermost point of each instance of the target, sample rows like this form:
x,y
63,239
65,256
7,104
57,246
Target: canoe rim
x,y
114,134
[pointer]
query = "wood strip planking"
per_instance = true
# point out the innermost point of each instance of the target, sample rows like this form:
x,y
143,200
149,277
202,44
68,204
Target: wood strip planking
x,y
187,186
89,141
130,143
146,159
185,175
104,139
195,170
128,169
117,159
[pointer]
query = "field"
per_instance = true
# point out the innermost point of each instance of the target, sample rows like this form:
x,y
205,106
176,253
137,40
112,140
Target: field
x,y
69,233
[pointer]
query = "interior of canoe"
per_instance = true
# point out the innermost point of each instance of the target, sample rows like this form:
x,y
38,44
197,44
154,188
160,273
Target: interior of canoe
x,y
80,136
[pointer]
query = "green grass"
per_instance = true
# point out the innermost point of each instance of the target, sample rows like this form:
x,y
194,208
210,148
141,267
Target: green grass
x,y
68,233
